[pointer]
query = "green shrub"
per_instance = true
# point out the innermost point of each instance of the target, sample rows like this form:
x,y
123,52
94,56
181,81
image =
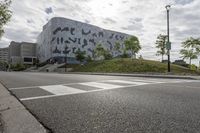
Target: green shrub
x,y
18,67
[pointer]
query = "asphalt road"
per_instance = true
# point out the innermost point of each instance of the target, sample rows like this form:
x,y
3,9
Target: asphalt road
x,y
72,103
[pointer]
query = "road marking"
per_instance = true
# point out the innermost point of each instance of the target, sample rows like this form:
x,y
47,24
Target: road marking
x,y
28,87
127,82
60,89
148,81
192,87
101,85
182,81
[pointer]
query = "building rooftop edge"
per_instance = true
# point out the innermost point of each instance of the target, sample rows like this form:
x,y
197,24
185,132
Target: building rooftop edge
x,y
84,23
23,42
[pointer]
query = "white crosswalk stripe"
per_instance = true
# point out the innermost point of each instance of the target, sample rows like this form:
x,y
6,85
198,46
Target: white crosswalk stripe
x,y
60,89
101,85
127,82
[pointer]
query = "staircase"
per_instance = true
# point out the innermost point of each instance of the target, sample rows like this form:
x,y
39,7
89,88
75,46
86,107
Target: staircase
x,y
53,67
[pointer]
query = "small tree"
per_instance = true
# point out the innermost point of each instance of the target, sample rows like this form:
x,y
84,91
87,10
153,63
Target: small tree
x,y
140,57
99,51
192,43
191,48
124,55
80,55
117,47
5,14
188,54
89,58
160,44
107,55
133,45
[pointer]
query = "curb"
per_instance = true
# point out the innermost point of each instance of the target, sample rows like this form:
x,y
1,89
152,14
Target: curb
x,y
1,124
15,117
139,75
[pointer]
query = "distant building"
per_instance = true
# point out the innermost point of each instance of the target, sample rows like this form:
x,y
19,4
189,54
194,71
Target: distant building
x,y
181,63
22,53
14,53
62,37
4,55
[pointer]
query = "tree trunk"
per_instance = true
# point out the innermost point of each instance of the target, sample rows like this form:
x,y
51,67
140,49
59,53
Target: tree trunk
x,y
132,54
162,57
190,63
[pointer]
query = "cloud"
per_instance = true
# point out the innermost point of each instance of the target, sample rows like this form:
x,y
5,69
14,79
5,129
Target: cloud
x,y
133,27
30,21
49,10
142,18
183,2
109,20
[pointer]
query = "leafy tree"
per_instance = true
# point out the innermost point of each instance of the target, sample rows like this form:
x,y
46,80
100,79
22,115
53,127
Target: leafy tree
x,y
80,55
160,44
191,48
117,47
133,45
188,54
107,55
124,55
5,14
3,65
89,58
99,51
192,43
140,57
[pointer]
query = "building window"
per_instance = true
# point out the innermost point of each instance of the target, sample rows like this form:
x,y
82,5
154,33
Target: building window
x,y
27,59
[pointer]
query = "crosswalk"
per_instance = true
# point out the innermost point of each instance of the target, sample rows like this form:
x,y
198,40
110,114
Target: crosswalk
x,y
78,88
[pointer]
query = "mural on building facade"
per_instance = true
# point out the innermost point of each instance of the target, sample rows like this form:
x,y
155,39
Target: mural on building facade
x,y
68,38
88,38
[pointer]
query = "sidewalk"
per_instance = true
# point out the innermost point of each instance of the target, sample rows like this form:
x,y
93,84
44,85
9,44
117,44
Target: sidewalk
x,y
149,75
15,117
1,125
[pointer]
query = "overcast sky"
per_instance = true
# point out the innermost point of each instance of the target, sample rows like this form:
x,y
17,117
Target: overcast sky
x,y
144,18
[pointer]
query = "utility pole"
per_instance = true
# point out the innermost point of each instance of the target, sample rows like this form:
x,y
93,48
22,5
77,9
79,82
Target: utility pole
x,y
66,62
168,45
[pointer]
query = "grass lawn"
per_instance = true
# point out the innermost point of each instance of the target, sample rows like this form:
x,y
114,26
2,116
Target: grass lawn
x,y
131,66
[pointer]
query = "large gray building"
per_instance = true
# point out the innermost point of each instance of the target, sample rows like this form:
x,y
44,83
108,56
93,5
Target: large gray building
x,y
62,37
22,53
4,55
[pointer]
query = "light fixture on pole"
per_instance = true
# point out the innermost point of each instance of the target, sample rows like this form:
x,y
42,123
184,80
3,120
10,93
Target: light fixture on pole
x,y
168,45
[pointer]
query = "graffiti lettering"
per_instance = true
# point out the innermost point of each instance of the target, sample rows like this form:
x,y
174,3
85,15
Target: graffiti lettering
x,y
85,33
73,40
85,43
72,30
56,30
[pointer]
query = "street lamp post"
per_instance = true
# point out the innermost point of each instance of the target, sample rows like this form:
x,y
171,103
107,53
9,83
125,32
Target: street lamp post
x,y
168,40
66,62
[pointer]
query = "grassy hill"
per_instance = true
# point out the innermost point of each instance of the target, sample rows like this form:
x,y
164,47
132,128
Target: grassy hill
x,y
131,66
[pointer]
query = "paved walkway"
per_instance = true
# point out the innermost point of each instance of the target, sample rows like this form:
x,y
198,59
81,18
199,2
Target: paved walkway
x,y
15,117
1,125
